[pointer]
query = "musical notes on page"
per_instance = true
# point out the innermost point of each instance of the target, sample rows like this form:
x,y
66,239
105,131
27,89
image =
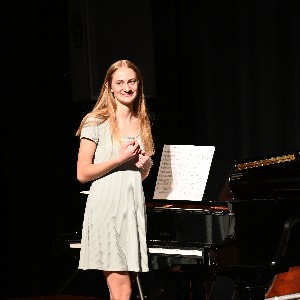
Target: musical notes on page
x,y
183,172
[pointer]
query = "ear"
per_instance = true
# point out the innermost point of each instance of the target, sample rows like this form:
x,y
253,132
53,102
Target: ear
x,y
106,84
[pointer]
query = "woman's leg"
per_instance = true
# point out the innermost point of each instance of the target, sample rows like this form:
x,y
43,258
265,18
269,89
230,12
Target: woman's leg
x,y
119,284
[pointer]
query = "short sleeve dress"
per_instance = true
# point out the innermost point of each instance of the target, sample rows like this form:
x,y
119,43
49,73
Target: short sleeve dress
x,y
114,225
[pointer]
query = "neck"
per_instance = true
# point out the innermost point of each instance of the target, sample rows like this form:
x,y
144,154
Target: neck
x,y
124,112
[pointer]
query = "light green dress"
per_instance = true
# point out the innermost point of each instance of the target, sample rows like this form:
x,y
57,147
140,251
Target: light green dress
x,y
114,225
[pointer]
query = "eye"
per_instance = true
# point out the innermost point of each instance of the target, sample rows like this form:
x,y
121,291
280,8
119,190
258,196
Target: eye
x,y
132,81
119,82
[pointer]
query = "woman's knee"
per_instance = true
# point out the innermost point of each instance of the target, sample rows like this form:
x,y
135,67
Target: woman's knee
x,y
119,284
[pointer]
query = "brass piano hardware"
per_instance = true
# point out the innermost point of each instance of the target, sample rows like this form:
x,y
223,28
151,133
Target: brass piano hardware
x,y
265,162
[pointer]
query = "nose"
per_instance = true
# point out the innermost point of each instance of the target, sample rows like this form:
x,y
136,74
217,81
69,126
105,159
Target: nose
x,y
126,88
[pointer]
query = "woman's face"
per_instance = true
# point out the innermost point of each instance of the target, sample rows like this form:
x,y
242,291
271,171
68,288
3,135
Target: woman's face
x,y
124,85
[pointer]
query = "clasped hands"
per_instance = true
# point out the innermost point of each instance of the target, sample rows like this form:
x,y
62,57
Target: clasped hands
x,y
132,150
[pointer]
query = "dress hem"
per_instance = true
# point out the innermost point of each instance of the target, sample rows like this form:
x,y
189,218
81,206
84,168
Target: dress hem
x,y
111,270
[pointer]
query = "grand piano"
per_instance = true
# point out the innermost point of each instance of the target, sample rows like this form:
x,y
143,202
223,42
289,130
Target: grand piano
x,y
249,232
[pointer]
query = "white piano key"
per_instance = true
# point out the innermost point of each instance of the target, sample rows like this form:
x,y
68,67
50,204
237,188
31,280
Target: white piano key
x,y
187,252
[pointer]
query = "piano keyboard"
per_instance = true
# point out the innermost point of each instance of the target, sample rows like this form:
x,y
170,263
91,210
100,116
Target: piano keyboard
x,y
174,251
163,251
75,245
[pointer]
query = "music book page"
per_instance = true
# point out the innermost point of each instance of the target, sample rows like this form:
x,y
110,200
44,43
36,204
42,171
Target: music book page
x,y
183,172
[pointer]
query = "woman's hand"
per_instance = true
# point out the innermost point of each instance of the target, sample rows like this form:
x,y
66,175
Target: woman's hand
x,y
129,150
144,161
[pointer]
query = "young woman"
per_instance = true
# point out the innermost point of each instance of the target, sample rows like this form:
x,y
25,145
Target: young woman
x,y
115,152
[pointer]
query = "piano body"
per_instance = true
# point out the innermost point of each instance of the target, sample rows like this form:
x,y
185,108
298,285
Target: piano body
x,y
248,234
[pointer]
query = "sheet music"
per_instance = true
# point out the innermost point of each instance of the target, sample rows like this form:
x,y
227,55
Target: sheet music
x,y
183,172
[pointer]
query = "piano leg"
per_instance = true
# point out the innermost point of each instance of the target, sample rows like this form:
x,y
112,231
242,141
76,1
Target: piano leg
x,y
250,293
200,289
173,284
223,288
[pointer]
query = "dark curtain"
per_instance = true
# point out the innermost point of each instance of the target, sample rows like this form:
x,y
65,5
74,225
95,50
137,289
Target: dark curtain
x,y
228,75
39,146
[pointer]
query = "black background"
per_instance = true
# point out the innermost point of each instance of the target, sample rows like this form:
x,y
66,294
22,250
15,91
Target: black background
x,y
226,73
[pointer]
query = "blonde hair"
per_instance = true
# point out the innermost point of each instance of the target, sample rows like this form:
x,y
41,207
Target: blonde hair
x,y
105,107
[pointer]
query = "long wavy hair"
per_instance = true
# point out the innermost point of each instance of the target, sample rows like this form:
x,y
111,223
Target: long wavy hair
x,y
105,107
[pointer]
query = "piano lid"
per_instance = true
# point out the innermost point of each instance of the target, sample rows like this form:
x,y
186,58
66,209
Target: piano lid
x,y
272,177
